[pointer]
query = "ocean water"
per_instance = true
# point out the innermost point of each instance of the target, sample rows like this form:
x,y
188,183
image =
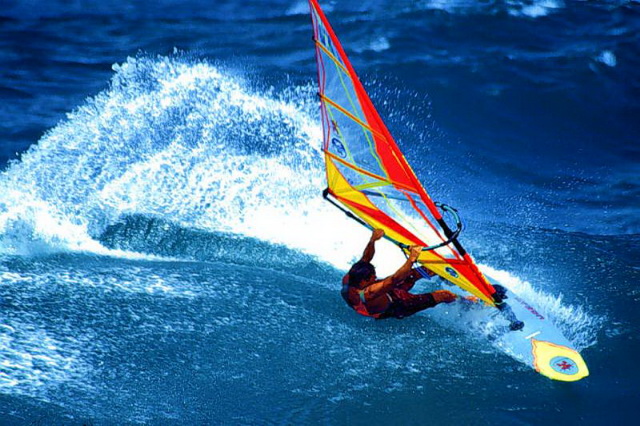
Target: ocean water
x,y
166,256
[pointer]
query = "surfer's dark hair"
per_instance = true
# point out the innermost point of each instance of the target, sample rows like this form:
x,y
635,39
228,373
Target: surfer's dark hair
x,y
360,271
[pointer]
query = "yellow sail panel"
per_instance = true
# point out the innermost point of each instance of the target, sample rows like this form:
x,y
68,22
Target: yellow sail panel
x,y
362,207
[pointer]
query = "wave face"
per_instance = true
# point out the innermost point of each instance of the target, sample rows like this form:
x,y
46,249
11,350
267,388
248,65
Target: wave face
x,y
172,140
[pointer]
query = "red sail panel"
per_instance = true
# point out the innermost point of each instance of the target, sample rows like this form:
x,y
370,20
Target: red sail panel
x,y
394,161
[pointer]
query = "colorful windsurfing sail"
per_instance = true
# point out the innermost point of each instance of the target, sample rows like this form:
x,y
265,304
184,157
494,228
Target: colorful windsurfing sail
x,y
368,175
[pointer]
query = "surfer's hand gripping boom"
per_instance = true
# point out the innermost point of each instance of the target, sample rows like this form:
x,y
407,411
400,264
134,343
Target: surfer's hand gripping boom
x,y
377,234
414,253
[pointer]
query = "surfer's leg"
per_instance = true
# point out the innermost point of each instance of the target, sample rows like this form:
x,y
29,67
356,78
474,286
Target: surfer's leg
x,y
410,281
406,304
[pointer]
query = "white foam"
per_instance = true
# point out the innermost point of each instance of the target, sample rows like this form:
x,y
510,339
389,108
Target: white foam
x,y
298,8
573,320
608,58
536,9
378,44
164,141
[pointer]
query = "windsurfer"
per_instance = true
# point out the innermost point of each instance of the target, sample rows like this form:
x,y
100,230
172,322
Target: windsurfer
x,y
388,297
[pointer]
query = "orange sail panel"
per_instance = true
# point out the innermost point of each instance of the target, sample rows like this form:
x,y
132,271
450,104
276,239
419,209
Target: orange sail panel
x,y
368,174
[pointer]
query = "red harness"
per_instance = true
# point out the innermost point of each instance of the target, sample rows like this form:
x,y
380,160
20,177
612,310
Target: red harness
x,y
349,294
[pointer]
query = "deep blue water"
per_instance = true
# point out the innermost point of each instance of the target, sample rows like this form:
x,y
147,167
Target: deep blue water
x,y
166,257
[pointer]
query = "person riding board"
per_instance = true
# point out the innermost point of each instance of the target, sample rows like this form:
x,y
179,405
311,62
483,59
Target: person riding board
x,y
389,297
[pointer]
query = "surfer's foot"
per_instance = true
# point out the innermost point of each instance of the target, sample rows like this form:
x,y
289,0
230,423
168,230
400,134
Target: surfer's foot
x,y
516,325
443,296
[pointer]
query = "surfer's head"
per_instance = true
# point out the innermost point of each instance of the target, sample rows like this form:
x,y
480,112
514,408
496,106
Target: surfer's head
x,y
361,271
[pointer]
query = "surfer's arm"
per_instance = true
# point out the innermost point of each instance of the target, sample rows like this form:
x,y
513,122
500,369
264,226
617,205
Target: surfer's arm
x,y
407,267
370,249
384,286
